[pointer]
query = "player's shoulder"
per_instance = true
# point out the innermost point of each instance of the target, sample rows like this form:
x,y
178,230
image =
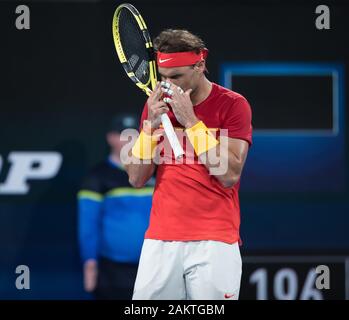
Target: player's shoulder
x,y
227,94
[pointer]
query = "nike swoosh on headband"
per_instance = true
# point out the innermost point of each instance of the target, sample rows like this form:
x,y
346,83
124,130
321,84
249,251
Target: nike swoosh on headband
x,y
164,60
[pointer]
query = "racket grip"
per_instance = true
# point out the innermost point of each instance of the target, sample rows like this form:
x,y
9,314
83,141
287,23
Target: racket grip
x,y
171,136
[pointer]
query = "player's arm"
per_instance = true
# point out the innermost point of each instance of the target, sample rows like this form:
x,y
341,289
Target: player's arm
x,y
139,173
141,167
224,158
231,158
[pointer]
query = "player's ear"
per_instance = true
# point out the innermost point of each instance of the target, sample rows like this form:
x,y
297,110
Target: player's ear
x,y
200,66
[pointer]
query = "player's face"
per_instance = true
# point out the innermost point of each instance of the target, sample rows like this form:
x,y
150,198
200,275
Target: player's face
x,y
185,77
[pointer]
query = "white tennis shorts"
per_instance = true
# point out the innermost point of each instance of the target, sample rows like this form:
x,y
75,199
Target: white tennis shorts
x,y
188,270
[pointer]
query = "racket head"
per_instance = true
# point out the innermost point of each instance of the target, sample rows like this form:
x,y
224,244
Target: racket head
x,y
134,47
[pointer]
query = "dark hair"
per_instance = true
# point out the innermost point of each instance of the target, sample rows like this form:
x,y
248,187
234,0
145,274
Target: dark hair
x,y
178,40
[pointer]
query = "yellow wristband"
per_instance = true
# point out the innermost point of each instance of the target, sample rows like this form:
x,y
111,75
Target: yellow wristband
x,y
144,146
201,138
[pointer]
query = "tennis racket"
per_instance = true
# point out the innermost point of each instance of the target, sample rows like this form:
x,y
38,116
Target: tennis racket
x,y
136,54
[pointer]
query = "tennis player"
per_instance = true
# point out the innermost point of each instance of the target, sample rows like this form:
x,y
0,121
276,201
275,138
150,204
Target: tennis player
x,y
191,247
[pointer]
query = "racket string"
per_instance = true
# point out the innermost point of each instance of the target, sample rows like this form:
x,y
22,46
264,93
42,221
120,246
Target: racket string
x,y
135,51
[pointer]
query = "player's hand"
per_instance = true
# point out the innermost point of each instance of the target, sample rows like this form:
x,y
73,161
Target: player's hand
x,y
181,104
90,275
156,107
